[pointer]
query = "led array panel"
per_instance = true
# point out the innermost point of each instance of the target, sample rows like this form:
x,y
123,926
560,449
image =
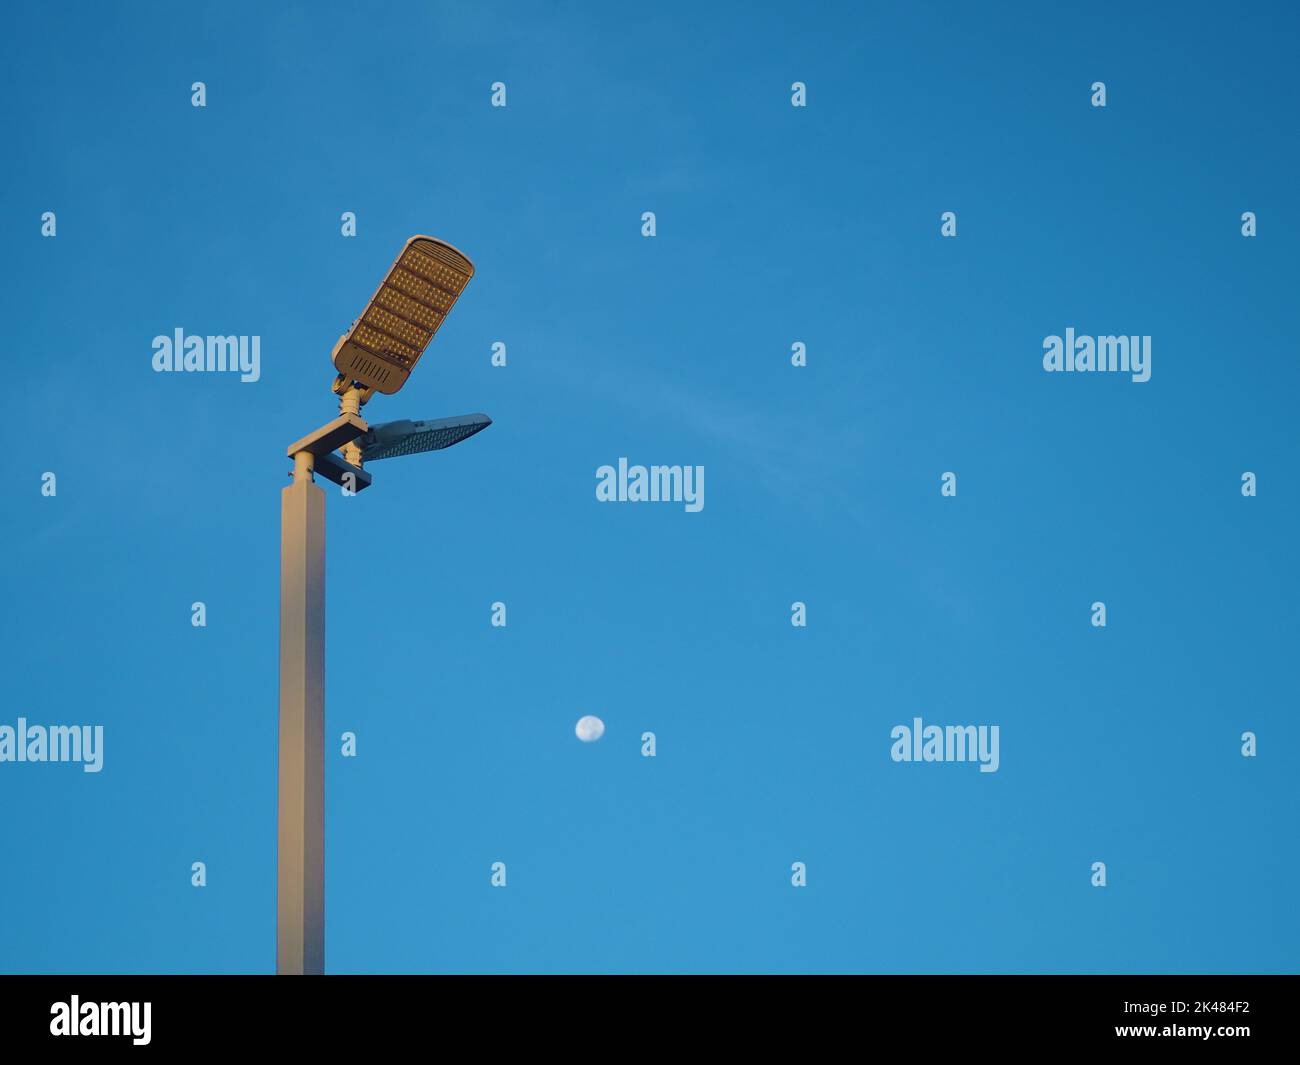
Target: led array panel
x,y
406,437
384,344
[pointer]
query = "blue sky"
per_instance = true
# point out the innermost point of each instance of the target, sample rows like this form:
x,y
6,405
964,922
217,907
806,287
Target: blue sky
x,y
775,224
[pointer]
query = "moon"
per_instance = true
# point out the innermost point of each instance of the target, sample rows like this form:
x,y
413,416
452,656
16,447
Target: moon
x,y
589,728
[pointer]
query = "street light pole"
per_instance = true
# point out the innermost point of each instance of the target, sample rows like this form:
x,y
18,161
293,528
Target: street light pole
x,y
300,875
300,889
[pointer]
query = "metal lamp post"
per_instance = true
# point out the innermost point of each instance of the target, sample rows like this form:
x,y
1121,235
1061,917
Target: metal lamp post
x,y
377,353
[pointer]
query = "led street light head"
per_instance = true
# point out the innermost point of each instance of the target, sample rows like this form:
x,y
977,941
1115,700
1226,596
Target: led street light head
x,y
384,344
406,437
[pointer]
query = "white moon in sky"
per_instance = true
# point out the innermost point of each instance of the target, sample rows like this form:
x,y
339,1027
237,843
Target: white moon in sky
x,y
589,728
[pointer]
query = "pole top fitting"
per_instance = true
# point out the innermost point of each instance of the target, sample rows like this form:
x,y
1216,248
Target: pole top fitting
x,y
304,462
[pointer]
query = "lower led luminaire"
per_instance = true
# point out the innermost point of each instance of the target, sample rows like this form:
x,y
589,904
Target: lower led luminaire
x,y
407,437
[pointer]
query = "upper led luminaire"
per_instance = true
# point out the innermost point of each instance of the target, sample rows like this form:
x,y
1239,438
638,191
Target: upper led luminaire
x,y
384,344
